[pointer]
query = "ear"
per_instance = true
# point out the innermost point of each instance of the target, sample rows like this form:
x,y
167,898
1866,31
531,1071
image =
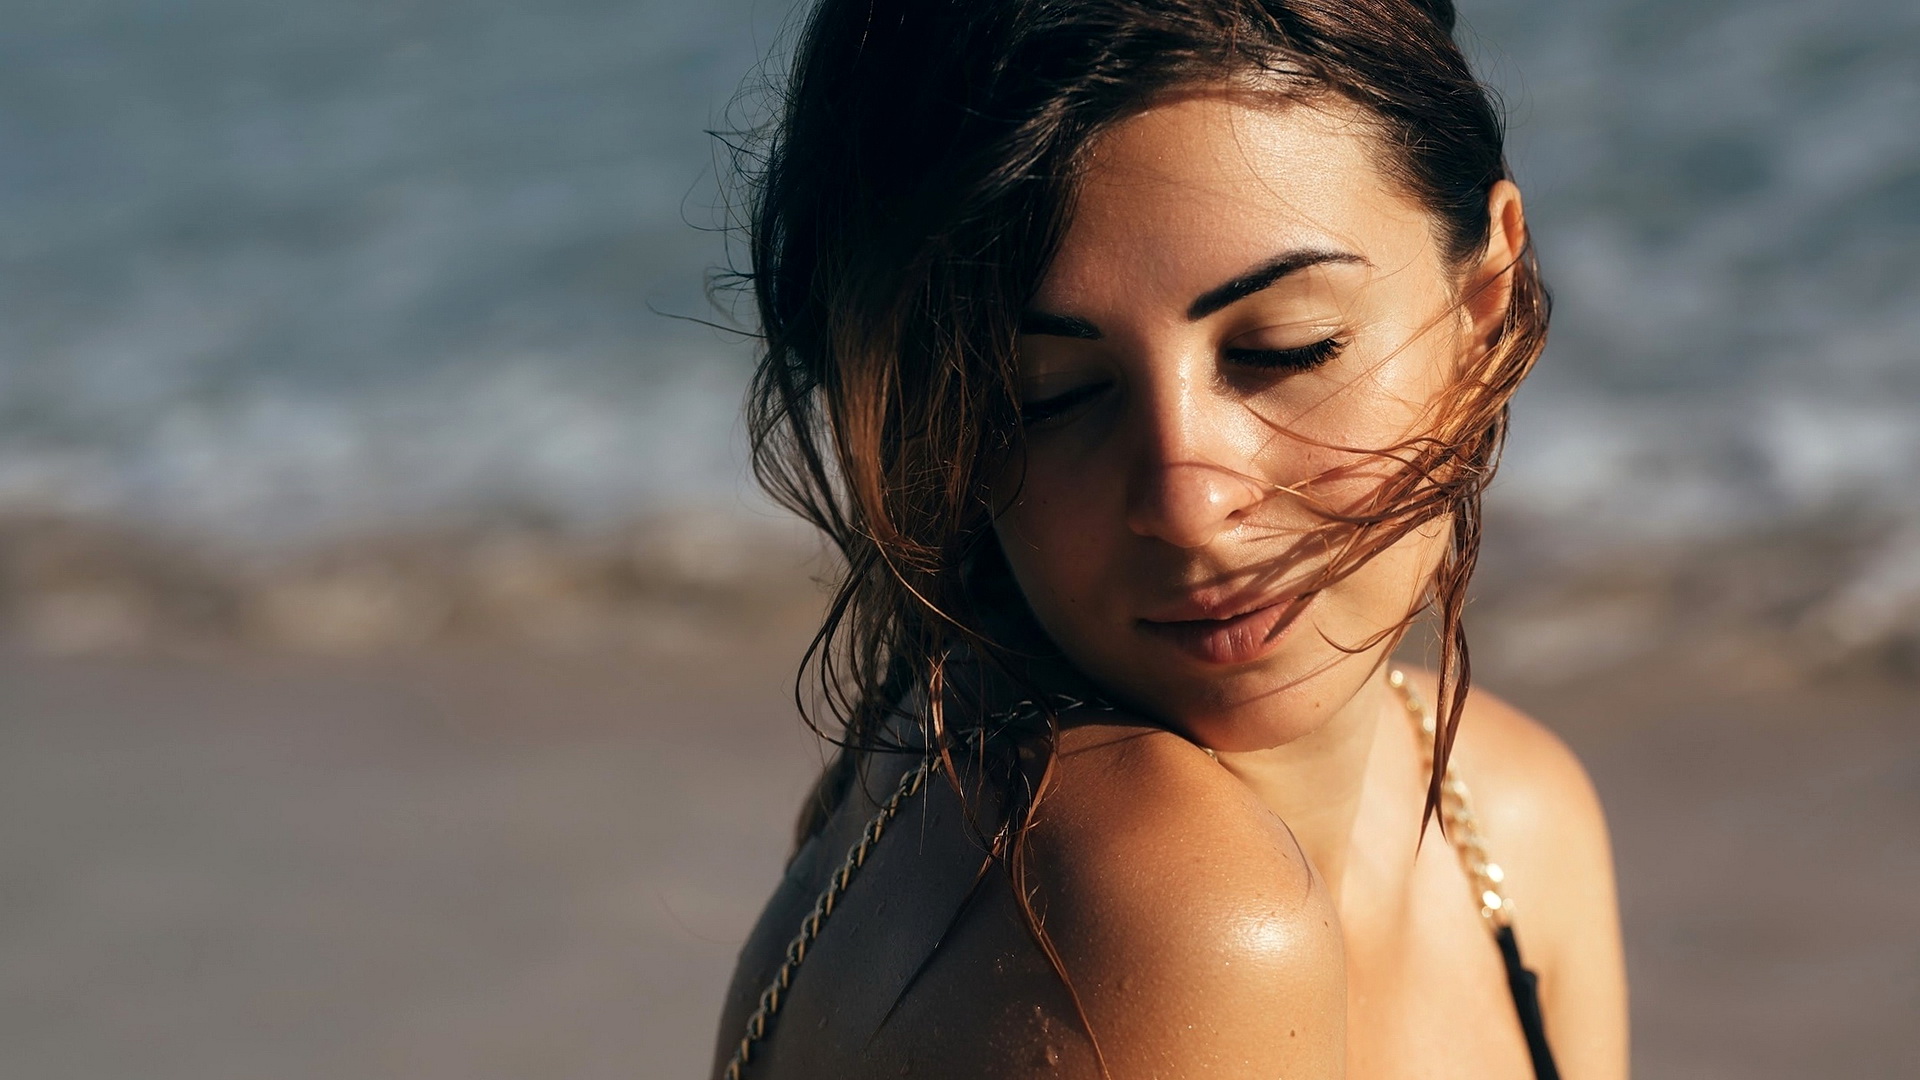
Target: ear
x,y
1489,285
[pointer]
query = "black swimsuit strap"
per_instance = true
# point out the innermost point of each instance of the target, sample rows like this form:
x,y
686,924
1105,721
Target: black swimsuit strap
x,y
1526,999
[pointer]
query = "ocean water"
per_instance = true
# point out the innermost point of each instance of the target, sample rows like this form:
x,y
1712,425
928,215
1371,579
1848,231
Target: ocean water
x,y
275,272
1726,194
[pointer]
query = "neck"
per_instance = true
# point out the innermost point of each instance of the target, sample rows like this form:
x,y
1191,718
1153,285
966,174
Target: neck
x,y
1315,782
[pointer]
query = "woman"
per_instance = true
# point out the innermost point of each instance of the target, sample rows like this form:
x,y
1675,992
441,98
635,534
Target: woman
x,y
1145,361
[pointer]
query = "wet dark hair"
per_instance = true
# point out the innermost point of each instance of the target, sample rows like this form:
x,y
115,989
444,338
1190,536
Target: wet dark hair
x,y
902,211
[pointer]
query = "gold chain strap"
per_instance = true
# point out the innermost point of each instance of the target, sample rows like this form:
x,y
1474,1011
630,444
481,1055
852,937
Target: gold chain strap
x,y
1456,814
776,992
775,995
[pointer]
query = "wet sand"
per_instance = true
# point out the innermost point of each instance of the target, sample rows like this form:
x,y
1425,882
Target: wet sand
x,y
487,864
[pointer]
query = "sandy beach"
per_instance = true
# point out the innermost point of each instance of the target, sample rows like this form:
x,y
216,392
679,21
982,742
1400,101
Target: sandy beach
x,y
476,864
395,670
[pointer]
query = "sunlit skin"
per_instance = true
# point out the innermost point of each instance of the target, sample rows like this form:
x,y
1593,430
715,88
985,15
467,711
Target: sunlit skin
x,y
1174,461
1266,909
1178,483
1183,485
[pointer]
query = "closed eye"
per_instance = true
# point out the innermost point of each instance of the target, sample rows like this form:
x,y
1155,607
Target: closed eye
x,y
1039,412
1304,358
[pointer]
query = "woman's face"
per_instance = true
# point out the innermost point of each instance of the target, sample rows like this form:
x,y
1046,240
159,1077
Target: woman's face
x,y
1242,300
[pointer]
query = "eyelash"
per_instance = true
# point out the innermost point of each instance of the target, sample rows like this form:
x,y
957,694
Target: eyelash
x,y
1304,358
1039,412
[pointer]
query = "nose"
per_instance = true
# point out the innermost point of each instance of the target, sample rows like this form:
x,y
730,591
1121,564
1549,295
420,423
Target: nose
x,y
1188,482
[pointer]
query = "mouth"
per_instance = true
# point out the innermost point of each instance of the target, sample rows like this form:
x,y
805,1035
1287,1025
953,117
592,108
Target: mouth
x,y
1234,639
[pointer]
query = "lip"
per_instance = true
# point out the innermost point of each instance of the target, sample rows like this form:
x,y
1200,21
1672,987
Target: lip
x,y
1234,639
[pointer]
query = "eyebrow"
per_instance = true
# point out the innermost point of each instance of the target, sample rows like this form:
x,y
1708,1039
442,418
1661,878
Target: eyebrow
x,y
1263,276
1260,277
1041,322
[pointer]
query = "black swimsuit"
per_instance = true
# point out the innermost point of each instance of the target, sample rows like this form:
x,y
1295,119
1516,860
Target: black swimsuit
x,y
1526,1000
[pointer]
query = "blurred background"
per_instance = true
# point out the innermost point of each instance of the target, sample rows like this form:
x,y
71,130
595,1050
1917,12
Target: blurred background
x,y
395,662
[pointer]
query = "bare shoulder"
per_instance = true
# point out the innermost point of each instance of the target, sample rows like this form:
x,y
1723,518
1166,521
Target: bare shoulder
x,y
1538,807
1527,782
1544,824
1197,936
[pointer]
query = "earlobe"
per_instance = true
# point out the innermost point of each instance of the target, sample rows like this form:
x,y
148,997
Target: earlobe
x,y
1492,281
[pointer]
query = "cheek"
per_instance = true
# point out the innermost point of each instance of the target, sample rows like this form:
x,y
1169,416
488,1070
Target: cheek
x,y
1354,438
1389,588
1055,529
1047,525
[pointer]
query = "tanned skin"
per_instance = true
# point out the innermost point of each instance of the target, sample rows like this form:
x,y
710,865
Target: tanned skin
x,y
1242,299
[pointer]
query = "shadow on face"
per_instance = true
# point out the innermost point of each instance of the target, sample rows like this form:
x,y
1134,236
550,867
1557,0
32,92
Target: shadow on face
x,y
1244,312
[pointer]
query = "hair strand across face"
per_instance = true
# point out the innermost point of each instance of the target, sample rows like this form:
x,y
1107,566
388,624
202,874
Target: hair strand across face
x,y
903,208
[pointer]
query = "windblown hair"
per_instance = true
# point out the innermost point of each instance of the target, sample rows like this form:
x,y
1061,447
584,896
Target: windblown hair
x,y
903,209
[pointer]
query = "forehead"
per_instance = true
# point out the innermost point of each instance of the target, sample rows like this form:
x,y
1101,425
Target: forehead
x,y
1196,189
